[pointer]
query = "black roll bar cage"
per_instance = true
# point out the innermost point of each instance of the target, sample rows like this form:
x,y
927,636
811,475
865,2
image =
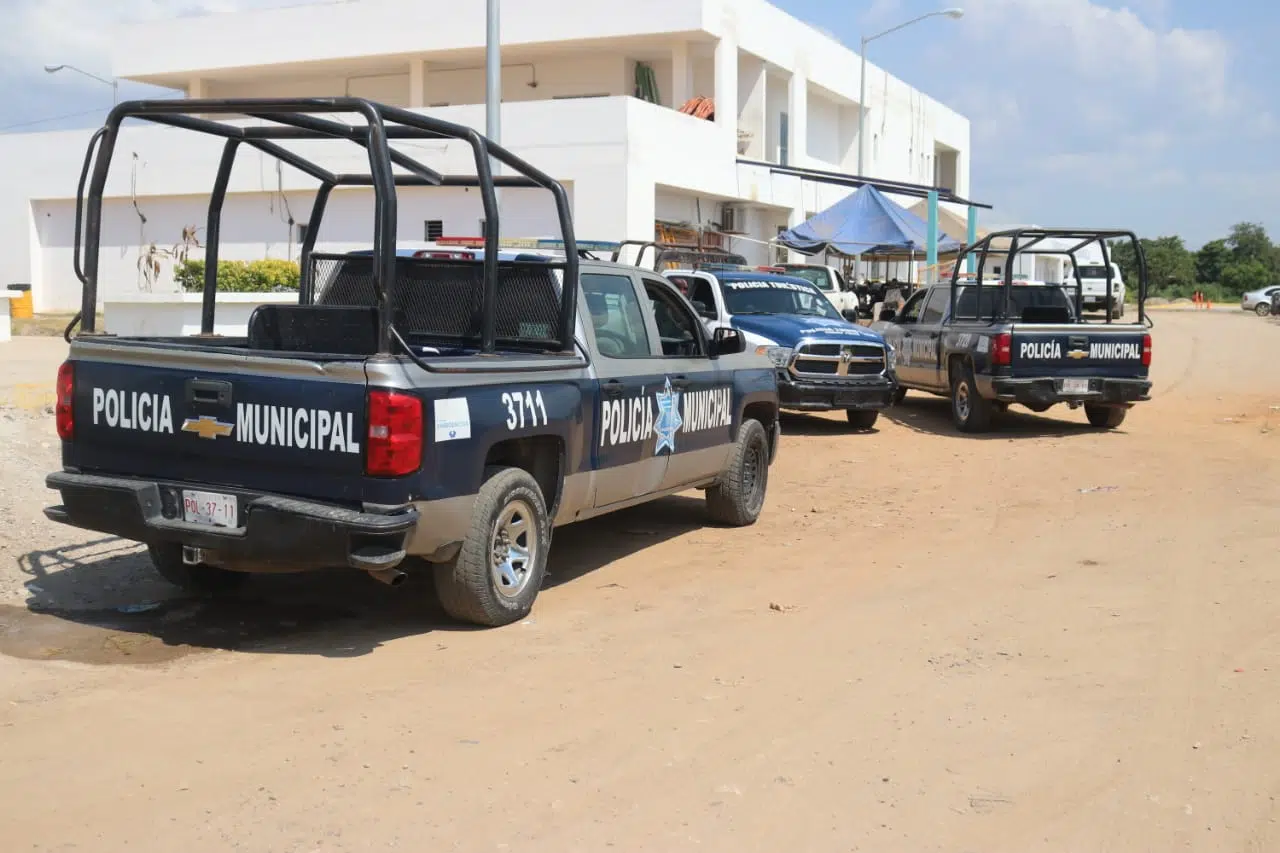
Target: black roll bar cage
x,y
296,119
1084,237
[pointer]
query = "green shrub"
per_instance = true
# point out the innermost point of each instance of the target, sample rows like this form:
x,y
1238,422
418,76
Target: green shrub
x,y
266,276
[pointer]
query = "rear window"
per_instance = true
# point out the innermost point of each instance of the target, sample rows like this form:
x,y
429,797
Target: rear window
x,y
1035,297
817,276
1096,271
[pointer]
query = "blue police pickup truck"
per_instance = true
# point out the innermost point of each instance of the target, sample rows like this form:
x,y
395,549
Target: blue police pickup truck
x,y
409,409
824,362
991,342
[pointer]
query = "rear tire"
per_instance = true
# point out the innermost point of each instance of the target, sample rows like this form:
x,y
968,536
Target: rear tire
x,y
1105,417
167,559
499,569
862,419
738,498
1263,309
969,411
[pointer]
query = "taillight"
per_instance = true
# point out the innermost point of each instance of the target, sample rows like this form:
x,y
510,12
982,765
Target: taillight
x,y
1002,349
64,414
1146,350
395,434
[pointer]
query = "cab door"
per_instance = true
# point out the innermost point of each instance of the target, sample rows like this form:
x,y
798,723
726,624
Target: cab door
x,y
926,340
629,374
900,334
696,400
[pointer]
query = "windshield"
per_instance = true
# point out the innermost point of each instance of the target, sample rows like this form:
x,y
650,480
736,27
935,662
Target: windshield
x,y
817,275
776,297
1093,271
1034,297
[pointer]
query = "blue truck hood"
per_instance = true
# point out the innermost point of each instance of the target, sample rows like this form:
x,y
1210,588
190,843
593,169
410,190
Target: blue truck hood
x,y
787,329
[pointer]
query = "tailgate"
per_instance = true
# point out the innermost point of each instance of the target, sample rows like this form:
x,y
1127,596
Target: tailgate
x,y
1083,350
258,424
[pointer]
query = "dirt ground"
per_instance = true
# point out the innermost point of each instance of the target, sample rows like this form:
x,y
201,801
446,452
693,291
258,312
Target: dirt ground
x,y
1048,639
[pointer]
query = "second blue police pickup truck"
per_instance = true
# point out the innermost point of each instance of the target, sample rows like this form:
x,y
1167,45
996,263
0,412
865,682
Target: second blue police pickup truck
x,y
407,409
824,361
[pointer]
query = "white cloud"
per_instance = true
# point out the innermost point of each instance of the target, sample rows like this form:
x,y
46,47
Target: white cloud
x,y
79,32
1105,47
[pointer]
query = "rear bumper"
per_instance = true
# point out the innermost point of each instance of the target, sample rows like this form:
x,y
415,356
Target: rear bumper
x,y
1045,390
274,533
872,392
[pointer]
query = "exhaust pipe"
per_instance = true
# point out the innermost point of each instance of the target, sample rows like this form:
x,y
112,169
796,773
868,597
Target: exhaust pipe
x,y
391,577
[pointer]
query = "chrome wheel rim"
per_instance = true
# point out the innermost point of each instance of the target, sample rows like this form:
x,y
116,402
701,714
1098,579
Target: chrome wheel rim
x,y
962,401
513,549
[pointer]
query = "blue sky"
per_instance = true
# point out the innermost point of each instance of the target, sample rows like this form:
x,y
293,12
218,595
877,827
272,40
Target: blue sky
x,y
1156,115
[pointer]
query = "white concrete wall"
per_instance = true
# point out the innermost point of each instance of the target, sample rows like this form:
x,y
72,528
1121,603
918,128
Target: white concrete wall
x,y
369,29
178,314
455,83
255,226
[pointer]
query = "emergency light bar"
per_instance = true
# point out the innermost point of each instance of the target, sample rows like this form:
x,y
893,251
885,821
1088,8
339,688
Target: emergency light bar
x,y
528,243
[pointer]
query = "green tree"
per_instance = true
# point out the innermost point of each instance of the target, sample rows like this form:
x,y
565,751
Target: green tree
x,y
1241,276
1210,261
1249,242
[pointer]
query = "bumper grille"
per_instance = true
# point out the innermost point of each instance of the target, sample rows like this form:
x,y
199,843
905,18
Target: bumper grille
x,y
838,359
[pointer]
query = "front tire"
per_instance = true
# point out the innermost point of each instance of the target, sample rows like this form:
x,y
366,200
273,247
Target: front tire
x,y
899,394
167,559
1263,309
738,498
498,572
862,419
1105,417
969,411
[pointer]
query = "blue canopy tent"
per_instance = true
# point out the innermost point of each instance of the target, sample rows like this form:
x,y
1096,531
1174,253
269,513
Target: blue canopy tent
x,y
865,223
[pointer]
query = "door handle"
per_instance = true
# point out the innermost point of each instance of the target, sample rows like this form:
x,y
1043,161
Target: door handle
x,y
681,383
210,391
612,388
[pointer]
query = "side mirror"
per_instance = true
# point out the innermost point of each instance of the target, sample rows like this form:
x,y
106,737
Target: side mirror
x,y
850,315
887,315
727,341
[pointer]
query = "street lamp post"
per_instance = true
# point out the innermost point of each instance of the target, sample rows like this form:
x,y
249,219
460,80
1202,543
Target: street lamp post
x,y
862,98
114,84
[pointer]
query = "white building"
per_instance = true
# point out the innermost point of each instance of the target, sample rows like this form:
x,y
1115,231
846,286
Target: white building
x,y
570,108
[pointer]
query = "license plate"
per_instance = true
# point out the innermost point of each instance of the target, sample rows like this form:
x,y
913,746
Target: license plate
x,y
1075,386
846,399
211,508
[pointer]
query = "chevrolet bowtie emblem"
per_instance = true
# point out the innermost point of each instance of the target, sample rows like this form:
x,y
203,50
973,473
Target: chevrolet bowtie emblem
x,y
206,427
1077,353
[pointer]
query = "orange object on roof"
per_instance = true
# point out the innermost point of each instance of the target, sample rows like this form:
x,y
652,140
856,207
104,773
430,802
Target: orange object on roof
x,y
699,107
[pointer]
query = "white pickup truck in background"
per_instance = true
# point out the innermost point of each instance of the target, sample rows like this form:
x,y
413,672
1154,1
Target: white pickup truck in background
x,y
832,284
1093,287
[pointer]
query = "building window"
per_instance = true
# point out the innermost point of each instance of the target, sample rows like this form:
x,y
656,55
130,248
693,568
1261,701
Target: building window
x,y
784,131
434,229
780,254
302,229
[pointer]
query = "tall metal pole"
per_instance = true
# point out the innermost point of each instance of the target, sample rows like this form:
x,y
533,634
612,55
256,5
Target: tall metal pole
x,y
493,73
862,107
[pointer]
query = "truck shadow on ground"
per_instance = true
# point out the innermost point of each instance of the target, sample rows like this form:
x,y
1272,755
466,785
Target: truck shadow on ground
x,y
932,416
99,601
797,424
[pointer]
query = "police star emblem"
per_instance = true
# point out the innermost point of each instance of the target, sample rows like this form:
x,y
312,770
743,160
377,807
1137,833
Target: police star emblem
x,y
668,421
206,427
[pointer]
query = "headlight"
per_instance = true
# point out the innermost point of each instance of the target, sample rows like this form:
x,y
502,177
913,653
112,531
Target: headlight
x,y
780,356
891,357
